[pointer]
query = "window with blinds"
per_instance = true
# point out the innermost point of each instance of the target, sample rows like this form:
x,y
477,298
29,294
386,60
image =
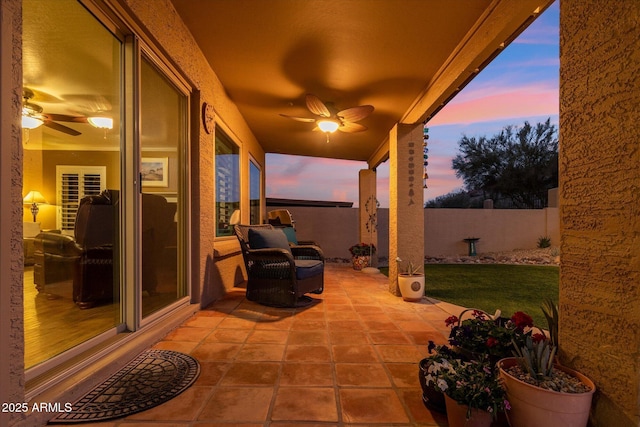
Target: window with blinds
x,y
72,184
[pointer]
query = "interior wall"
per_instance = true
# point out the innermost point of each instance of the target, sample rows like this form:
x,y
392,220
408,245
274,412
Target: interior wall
x,y
600,201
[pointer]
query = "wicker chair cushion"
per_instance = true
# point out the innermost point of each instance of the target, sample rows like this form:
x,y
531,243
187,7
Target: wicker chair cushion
x,y
265,238
306,268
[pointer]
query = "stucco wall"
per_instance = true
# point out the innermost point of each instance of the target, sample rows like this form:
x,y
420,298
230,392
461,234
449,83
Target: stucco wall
x,y
214,266
600,201
336,229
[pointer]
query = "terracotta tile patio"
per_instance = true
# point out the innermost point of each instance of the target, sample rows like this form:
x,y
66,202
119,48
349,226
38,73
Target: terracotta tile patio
x,y
350,360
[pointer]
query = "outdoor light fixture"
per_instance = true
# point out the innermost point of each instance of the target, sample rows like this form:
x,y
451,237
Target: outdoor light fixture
x,y
30,122
101,122
34,198
328,126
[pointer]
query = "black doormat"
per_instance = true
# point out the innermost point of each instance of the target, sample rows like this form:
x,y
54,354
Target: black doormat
x,y
152,378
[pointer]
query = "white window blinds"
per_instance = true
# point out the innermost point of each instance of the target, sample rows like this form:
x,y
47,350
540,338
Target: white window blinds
x,y
72,184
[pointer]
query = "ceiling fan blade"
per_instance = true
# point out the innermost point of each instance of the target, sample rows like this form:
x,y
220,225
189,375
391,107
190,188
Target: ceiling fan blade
x,y
299,119
350,127
316,106
61,128
65,118
355,114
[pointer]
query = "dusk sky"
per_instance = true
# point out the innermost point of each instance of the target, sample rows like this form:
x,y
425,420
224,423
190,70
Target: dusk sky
x,y
521,84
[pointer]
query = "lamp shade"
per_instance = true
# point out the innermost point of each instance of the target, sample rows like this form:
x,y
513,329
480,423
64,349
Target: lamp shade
x,y
34,197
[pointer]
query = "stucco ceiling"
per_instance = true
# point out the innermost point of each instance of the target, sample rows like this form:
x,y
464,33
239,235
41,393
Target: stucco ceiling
x,y
404,57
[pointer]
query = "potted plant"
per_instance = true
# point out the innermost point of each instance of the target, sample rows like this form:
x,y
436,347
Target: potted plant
x,y
361,254
541,391
477,335
410,280
473,395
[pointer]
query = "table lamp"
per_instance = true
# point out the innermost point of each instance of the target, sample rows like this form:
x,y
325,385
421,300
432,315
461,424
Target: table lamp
x,y
34,198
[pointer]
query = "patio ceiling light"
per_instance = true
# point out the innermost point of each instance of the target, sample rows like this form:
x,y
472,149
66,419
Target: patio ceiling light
x,y
328,125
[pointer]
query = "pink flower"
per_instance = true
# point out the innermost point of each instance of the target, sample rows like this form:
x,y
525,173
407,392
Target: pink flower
x,y
478,314
507,406
492,342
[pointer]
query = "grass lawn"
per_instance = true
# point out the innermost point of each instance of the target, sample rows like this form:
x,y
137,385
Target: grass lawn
x,y
488,287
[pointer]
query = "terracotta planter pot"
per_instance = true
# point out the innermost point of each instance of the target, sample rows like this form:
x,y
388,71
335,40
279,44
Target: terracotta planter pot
x,y
360,262
457,415
411,286
533,406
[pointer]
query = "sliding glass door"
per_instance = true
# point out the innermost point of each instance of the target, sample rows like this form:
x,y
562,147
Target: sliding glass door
x,y
72,73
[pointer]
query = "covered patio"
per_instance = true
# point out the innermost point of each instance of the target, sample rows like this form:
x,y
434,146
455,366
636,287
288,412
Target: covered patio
x,y
350,359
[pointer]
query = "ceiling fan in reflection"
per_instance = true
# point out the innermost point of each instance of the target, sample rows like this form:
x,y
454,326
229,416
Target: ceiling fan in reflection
x,y
33,116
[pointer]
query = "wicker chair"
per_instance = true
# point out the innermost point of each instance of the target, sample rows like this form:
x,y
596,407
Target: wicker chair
x,y
279,274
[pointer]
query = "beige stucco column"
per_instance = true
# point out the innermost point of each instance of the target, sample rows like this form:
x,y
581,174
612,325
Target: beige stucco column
x,y
367,218
406,199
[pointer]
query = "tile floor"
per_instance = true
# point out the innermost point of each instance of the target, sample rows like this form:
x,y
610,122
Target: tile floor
x,y
349,360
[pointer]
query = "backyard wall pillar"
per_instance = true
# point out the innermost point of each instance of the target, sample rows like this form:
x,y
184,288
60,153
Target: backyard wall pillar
x,y
600,202
406,199
367,218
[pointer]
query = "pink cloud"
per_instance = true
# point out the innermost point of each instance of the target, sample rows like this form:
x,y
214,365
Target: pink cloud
x,y
500,105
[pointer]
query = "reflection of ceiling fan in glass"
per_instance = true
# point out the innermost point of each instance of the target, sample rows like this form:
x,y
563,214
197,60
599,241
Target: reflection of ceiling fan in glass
x,y
331,119
33,116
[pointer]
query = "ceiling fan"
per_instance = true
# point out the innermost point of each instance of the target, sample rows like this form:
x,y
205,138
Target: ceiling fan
x,y
33,116
330,119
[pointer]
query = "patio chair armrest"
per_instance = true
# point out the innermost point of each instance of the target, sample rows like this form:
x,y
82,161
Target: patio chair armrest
x,y
307,252
267,255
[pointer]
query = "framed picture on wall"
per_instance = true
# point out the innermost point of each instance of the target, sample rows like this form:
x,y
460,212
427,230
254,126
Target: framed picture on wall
x,y
154,171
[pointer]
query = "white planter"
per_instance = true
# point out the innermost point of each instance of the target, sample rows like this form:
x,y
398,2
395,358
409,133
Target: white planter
x,y
411,286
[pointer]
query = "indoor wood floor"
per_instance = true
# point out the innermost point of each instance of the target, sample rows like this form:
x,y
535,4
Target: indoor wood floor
x,y
53,323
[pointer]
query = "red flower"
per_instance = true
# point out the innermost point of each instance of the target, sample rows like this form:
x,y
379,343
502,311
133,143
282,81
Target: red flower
x,y
492,342
521,320
538,337
451,321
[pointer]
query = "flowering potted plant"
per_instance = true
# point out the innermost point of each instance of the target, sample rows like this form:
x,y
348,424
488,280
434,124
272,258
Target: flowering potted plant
x,y
473,394
542,391
361,254
477,335
410,280
492,335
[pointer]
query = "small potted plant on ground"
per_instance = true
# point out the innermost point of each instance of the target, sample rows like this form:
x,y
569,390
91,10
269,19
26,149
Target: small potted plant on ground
x,y
473,395
361,255
541,391
410,280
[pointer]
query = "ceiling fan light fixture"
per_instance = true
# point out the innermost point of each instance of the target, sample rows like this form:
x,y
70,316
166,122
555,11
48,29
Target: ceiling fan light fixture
x,y
101,122
30,122
328,126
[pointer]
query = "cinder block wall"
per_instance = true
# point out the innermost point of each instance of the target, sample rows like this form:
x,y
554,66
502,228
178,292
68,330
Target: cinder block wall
x,y
600,201
336,229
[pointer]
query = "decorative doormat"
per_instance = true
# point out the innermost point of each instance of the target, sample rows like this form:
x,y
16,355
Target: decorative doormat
x,y
152,378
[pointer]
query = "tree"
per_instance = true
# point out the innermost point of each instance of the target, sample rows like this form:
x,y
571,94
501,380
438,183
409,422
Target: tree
x,y
519,163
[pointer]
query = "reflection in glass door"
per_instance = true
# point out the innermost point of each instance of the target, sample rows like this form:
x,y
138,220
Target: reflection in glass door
x,y
163,119
72,71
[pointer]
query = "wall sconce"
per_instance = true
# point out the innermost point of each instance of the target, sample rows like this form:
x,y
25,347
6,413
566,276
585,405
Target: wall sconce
x,y
33,199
